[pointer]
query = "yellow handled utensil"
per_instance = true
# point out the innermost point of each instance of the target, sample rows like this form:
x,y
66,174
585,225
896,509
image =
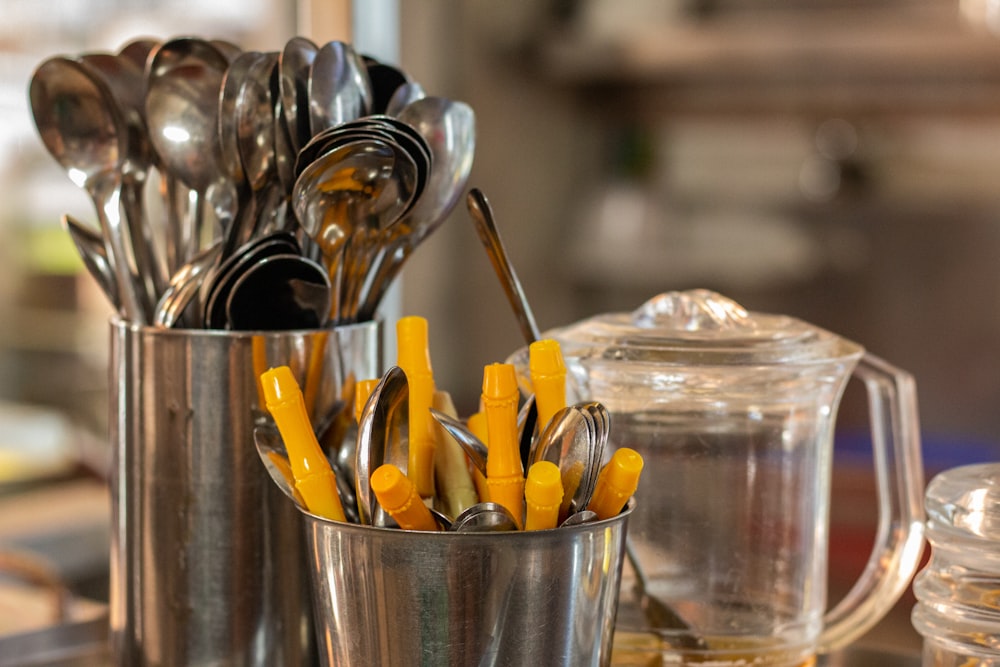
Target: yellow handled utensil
x,y
414,358
314,478
504,472
616,483
399,498
543,492
548,378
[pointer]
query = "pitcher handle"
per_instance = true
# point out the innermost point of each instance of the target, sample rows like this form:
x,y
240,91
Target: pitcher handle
x,y
899,483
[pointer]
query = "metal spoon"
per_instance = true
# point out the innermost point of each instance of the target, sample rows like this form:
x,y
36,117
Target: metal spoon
x,y
486,227
255,140
125,81
339,89
449,128
569,441
280,292
384,81
184,213
80,126
471,445
184,286
90,246
379,426
272,453
484,518
183,81
407,93
294,64
579,518
137,51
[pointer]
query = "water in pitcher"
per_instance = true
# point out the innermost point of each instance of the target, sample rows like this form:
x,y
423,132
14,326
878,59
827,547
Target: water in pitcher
x,y
639,649
734,545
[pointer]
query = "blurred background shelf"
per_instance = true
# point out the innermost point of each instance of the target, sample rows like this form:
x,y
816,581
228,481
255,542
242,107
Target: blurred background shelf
x,y
902,57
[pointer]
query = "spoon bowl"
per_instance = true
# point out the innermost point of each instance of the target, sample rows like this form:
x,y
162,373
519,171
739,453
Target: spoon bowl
x,y
484,518
379,439
80,124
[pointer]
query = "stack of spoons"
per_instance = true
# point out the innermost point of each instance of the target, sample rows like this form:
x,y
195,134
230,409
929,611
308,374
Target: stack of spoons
x,y
248,190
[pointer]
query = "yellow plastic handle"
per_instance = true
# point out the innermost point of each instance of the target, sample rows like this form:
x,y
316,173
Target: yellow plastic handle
x,y
398,496
504,472
413,357
314,478
543,494
616,483
548,378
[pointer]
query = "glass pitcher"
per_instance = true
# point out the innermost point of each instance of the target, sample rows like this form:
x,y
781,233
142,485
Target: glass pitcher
x,y
734,415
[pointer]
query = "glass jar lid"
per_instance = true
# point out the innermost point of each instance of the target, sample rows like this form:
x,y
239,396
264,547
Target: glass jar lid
x,y
701,326
965,502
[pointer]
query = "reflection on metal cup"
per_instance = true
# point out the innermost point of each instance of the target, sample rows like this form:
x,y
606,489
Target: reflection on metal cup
x,y
207,556
384,596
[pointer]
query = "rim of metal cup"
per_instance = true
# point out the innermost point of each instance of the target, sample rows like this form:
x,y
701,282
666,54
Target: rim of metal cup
x,y
118,322
330,524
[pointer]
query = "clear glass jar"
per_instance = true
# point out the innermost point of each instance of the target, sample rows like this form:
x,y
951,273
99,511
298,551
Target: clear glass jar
x,y
958,593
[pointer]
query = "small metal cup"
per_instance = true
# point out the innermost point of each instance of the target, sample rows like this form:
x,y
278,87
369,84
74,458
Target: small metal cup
x,y
207,555
383,596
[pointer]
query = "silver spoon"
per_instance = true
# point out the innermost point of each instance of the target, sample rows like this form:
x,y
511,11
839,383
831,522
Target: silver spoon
x,y
384,80
484,518
579,518
183,81
569,441
79,124
184,213
272,453
125,81
339,89
471,445
378,439
406,94
90,246
280,292
137,52
449,128
482,215
184,286
255,140
294,65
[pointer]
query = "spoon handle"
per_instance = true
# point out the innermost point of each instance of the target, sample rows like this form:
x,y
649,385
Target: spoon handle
x,y
482,215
